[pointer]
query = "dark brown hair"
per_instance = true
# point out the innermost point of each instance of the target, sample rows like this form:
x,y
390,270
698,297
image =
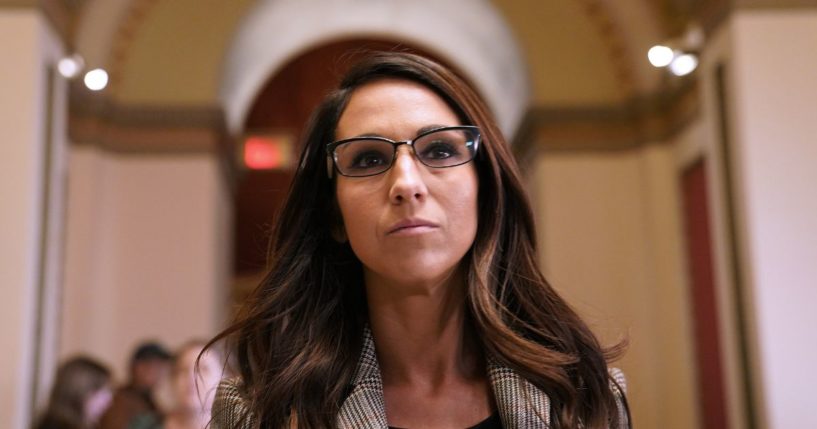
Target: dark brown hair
x,y
298,336
76,380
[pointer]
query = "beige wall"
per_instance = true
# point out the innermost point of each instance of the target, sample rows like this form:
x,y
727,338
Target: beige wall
x,y
775,94
148,251
611,231
610,242
702,140
29,239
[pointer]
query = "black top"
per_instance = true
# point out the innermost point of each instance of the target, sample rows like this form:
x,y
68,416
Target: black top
x,y
492,422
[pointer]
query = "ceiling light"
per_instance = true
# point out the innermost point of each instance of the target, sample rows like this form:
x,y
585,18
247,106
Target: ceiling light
x,y
96,79
70,67
683,64
660,56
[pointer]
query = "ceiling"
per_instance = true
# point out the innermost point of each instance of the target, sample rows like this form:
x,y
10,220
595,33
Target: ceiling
x,y
579,52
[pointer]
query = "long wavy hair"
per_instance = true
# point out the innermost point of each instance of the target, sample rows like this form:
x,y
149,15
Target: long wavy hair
x,y
298,336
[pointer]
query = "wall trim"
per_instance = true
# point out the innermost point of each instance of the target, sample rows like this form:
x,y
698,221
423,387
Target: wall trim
x,y
775,4
137,14
632,125
128,129
612,35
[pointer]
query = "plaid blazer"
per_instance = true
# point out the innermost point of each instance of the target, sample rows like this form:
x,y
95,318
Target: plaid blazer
x,y
520,404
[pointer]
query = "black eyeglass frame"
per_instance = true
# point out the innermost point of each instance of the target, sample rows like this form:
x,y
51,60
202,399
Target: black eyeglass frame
x,y
331,156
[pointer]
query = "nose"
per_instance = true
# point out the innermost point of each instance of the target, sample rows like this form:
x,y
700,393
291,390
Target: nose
x,y
406,180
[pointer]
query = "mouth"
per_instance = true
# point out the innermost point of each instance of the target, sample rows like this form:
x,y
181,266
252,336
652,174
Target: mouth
x,y
411,226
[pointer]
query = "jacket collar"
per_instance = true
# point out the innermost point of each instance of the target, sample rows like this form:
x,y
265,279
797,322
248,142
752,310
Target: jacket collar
x,y
520,404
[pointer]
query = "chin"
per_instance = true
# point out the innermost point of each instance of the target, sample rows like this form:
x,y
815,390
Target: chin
x,y
422,275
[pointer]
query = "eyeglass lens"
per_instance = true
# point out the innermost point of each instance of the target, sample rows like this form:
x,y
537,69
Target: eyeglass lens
x,y
438,149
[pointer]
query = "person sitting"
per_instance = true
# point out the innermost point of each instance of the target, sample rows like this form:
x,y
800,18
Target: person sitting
x,y
80,395
133,405
194,379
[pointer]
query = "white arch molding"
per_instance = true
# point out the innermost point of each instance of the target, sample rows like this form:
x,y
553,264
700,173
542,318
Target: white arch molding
x,y
469,34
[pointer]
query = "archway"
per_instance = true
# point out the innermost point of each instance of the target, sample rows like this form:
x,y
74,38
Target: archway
x,y
469,35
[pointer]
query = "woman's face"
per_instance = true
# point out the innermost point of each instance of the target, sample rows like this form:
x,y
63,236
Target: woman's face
x,y
411,224
196,391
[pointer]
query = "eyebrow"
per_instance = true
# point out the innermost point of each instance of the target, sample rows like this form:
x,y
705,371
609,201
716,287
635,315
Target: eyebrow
x,y
428,128
421,130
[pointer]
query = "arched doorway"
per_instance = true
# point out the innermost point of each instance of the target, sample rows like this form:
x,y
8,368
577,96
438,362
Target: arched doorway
x,y
471,36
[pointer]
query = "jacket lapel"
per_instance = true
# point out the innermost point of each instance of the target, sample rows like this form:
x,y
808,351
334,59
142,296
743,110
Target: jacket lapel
x,y
521,405
365,407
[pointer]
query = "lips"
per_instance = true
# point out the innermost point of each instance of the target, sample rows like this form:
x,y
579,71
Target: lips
x,y
411,225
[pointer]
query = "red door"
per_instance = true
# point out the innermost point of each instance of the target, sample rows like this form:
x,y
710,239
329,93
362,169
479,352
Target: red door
x,y
708,350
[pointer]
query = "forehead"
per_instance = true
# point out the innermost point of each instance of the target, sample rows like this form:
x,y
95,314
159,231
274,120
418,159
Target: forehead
x,y
393,108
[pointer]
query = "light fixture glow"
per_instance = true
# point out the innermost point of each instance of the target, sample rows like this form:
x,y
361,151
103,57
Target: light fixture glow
x,y
96,79
70,67
684,64
660,56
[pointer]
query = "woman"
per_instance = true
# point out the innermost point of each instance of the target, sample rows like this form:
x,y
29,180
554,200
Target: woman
x,y
194,386
403,289
80,395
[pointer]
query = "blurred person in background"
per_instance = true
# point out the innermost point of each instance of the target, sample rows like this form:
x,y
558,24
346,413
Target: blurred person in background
x,y
133,405
80,395
193,385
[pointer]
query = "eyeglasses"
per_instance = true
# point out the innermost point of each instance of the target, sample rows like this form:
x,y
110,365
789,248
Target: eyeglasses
x,y
368,156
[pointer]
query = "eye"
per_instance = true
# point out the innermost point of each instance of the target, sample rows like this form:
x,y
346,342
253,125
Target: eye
x,y
367,159
439,149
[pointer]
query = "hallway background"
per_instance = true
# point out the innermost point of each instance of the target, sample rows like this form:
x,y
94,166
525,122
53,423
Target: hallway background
x,y
675,211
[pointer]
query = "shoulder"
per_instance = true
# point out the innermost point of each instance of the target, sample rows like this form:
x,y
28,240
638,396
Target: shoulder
x,y
618,384
231,408
131,399
620,380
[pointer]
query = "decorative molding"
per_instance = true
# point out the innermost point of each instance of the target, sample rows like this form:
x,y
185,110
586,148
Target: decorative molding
x,y
157,130
132,21
775,4
150,130
613,38
642,121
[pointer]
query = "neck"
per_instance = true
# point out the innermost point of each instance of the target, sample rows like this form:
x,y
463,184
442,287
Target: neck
x,y
421,333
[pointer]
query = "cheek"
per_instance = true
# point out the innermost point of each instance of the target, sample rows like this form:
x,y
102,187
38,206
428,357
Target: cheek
x,y
462,207
356,209
465,202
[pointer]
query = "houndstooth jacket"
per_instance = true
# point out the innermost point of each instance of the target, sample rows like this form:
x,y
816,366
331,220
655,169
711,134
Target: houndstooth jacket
x,y
520,404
